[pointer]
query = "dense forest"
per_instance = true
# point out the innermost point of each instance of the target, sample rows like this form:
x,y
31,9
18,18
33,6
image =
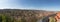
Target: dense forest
x,y
18,15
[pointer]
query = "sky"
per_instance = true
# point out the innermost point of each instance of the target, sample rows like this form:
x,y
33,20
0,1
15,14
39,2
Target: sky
x,y
50,5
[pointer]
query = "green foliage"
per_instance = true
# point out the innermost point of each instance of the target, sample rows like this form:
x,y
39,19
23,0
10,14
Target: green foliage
x,y
9,19
52,19
23,20
0,18
34,20
5,18
11,15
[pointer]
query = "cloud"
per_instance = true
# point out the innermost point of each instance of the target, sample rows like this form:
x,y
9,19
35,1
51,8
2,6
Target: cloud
x,y
11,4
3,1
3,4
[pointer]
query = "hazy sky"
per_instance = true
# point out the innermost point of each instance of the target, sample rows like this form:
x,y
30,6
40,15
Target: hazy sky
x,y
51,5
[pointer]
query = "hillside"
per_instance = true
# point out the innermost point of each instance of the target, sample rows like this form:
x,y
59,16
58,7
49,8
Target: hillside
x,y
28,15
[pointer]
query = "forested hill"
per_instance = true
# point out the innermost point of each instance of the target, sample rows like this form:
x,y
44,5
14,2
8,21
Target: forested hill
x,y
28,15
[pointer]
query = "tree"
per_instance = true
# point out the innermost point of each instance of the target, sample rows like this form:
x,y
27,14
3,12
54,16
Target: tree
x,y
3,18
0,18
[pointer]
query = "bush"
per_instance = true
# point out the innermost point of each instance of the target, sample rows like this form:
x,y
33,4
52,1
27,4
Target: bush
x,y
5,18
